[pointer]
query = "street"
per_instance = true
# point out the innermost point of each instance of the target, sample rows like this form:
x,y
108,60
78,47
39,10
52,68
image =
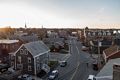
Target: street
x,y
79,64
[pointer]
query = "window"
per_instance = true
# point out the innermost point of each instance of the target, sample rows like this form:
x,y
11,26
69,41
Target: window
x,y
29,59
21,51
26,52
12,63
37,59
13,46
12,57
38,66
20,66
4,46
19,59
29,68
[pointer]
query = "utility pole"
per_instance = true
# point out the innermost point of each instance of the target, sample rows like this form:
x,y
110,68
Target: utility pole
x,y
99,62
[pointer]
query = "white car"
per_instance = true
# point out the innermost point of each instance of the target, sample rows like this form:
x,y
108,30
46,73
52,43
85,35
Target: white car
x,y
25,77
91,77
53,75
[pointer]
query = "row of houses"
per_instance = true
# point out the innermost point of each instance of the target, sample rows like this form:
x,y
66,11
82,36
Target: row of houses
x,y
106,44
109,51
26,53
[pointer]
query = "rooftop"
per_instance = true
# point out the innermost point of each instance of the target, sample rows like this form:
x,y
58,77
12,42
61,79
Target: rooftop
x,y
36,48
111,50
8,41
107,70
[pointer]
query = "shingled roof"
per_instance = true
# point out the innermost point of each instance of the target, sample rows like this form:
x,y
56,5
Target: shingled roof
x,y
36,48
111,50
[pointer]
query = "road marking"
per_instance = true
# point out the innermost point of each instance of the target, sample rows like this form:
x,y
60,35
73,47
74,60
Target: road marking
x,y
77,50
78,63
75,71
66,57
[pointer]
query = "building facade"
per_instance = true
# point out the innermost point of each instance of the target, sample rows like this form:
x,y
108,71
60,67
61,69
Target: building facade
x,y
31,58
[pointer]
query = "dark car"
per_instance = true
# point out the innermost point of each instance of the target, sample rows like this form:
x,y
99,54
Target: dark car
x,y
53,75
63,63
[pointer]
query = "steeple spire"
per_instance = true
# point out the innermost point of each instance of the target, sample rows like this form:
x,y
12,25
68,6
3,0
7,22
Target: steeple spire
x,y
25,26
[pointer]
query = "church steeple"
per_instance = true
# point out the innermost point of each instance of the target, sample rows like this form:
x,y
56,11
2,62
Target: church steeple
x,y
25,26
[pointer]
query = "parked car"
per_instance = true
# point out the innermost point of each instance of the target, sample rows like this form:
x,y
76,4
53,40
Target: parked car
x,y
63,63
91,77
84,48
53,75
25,77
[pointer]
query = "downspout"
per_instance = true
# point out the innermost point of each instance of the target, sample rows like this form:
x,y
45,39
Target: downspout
x,y
35,66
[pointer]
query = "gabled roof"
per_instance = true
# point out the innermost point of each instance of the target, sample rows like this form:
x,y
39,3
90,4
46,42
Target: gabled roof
x,y
29,38
36,48
111,50
59,43
25,38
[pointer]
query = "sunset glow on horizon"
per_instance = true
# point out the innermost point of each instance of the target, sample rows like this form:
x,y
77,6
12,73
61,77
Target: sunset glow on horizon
x,y
60,13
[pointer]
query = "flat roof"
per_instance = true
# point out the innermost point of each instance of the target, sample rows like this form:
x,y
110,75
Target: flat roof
x,y
107,70
8,41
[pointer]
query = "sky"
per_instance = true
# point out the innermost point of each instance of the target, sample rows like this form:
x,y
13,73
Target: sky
x,y
60,13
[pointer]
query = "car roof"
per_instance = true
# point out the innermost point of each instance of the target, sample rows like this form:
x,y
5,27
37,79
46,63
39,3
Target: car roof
x,y
91,77
62,61
54,71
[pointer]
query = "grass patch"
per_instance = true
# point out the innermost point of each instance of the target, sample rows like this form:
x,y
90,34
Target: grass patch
x,y
52,63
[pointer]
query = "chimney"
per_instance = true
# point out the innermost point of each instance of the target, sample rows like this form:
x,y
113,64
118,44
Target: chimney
x,y
116,72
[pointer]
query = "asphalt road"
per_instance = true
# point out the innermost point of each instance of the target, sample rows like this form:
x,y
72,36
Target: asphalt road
x,y
77,68
83,69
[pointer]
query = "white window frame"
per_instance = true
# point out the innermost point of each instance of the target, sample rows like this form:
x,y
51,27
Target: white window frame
x,y
26,52
19,59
